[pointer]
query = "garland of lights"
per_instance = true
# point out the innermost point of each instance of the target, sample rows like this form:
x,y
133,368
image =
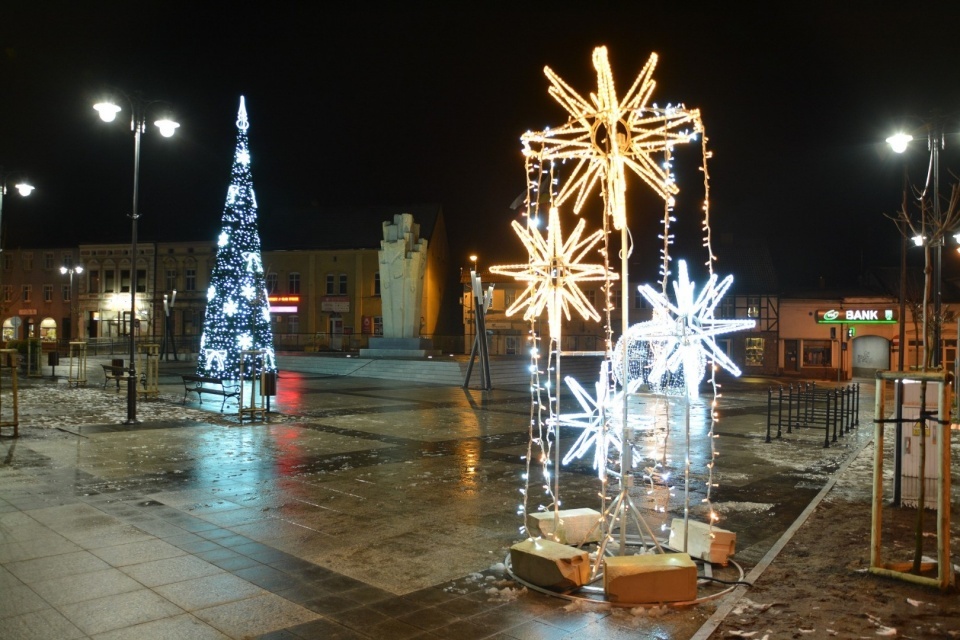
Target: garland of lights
x,y
605,136
238,313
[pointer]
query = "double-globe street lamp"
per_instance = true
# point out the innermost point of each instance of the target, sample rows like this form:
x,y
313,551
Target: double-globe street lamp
x,y
23,188
138,124
73,305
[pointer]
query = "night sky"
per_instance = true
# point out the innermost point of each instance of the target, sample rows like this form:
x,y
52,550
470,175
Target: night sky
x,y
379,104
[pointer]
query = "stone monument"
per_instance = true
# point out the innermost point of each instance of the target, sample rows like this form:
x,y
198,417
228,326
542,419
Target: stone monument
x,y
403,263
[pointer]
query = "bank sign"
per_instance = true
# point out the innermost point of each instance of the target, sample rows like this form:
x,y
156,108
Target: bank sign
x,y
857,316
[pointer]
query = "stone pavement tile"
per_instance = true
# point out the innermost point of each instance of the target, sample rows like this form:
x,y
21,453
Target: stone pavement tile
x,y
326,629
118,611
396,606
107,536
7,579
38,546
71,516
85,586
503,617
137,552
429,618
54,566
358,618
330,604
464,607
40,625
466,629
234,562
255,616
234,517
160,572
535,630
157,528
183,627
269,578
367,594
571,620
394,629
208,591
18,600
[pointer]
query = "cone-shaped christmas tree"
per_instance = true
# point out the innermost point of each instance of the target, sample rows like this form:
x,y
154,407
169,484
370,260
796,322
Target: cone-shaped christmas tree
x,y
238,312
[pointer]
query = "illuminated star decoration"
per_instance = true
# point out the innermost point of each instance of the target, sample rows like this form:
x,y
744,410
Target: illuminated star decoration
x,y
606,135
598,420
682,335
554,272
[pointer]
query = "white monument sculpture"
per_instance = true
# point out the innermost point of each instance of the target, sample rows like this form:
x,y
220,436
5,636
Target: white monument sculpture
x,y
403,263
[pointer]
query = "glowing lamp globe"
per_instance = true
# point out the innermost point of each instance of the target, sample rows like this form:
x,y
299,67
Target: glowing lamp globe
x,y
167,127
24,189
107,110
899,142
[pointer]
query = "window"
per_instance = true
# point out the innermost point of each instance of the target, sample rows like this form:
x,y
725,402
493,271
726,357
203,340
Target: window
x,y
109,280
293,282
638,299
93,281
67,260
171,279
27,292
293,324
65,289
7,261
48,292
378,325
190,279
141,280
124,280
189,322
753,306
754,357
509,297
817,353
8,293
330,283
271,283
591,297
26,259
727,309
615,294
48,260
343,284
376,283
513,345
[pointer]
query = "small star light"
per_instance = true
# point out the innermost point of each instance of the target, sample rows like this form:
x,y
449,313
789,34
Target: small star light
x,y
248,292
243,156
554,273
606,135
682,334
223,239
600,420
211,292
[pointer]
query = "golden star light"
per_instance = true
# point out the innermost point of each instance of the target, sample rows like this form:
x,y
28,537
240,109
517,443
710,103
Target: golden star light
x,y
607,135
554,273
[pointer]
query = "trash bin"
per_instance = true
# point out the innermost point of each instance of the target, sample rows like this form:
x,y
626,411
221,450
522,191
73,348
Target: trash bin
x,y
53,359
268,383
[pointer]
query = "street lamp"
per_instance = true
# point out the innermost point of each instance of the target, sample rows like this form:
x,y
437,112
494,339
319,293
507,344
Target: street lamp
x,y
22,188
75,270
138,124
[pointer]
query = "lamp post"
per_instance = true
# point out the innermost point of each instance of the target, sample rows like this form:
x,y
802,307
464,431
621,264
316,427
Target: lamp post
x,y
138,124
73,305
22,188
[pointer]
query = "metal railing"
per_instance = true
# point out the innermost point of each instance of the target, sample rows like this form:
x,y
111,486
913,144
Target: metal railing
x,y
806,405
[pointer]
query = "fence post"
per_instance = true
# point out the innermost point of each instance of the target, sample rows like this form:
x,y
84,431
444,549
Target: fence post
x,y
856,415
826,421
769,410
780,414
836,412
790,408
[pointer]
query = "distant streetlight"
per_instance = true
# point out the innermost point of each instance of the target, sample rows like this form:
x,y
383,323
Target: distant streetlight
x,y
22,188
473,262
138,124
75,270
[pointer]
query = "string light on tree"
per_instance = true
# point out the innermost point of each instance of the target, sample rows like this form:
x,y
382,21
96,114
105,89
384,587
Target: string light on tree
x,y
238,313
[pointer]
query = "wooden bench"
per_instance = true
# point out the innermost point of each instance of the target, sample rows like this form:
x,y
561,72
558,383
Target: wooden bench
x,y
114,372
214,386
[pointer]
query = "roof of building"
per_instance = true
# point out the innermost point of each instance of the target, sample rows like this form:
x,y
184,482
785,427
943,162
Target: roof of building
x,y
351,227
750,263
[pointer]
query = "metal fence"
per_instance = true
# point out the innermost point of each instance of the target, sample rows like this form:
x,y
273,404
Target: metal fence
x,y
805,405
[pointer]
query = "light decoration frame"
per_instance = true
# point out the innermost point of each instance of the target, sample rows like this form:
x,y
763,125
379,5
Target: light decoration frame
x,y
605,136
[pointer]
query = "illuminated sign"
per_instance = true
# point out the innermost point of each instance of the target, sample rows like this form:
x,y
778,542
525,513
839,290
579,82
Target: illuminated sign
x,y
876,315
284,299
339,304
284,304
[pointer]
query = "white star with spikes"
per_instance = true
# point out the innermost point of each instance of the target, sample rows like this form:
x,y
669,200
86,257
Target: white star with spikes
x,y
682,335
554,273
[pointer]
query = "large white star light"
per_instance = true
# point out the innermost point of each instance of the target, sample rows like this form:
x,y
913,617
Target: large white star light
x,y
554,273
606,135
681,336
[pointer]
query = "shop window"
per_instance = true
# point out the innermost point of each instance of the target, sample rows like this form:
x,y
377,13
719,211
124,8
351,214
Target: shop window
x,y
754,355
293,282
48,330
271,283
343,284
190,279
330,282
11,328
817,353
48,293
512,345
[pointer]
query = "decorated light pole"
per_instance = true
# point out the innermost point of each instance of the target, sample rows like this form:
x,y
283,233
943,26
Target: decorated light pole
x,y
138,124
